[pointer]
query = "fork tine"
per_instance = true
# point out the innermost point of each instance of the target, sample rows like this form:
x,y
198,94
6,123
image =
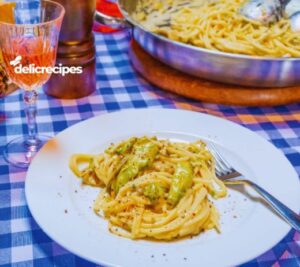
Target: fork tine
x,y
221,158
225,162
217,156
222,166
218,167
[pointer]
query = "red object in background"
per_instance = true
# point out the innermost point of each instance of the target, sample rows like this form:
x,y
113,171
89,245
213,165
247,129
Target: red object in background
x,y
109,8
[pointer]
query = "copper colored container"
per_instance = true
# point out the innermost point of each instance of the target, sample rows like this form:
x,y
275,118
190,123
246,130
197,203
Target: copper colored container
x,y
76,48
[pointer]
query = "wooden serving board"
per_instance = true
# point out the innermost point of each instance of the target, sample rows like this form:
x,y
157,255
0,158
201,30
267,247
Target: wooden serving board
x,y
186,85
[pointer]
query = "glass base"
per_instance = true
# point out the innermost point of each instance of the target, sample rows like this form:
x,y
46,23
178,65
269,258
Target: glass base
x,y
20,152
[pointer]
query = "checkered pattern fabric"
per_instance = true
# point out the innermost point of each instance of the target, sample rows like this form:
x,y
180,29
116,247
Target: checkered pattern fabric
x,y
27,11
23,243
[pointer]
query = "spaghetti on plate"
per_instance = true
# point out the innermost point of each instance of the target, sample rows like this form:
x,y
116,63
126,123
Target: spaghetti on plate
x,y
153,188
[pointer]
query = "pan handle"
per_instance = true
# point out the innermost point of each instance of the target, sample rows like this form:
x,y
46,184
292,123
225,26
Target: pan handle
x,y
112,22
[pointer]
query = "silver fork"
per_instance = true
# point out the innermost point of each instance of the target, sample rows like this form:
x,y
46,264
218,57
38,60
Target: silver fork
x,y
229,175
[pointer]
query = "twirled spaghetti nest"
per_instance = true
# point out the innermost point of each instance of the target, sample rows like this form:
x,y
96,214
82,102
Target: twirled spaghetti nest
x,y
153,188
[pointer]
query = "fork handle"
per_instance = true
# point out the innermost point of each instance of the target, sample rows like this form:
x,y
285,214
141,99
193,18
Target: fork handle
x,y
286,213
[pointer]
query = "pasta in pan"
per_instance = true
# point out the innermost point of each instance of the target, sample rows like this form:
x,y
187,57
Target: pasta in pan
x,y
154,189
217,25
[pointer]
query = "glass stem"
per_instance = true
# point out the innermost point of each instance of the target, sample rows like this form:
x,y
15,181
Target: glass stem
x,y
30,98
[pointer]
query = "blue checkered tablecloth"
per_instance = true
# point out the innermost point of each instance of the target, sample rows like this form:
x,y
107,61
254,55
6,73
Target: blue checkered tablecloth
x,y
23,243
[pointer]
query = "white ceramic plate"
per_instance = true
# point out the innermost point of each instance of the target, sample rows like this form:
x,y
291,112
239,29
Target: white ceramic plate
x,y
62,207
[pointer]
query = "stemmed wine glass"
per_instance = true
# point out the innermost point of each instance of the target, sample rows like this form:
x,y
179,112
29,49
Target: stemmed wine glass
x,y
29,52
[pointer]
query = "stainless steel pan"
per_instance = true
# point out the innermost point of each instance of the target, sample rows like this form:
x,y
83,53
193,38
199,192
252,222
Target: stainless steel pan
x,y
208,64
